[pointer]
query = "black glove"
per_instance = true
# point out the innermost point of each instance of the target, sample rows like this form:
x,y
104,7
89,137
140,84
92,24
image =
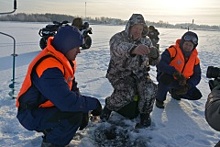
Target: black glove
x,y
166,78
154,53
180,78
85,121
75,87
182,90
214,84
98,110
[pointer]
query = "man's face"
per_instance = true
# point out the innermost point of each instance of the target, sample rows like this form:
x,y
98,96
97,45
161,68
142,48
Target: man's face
x,y
71,54
136,31
188,46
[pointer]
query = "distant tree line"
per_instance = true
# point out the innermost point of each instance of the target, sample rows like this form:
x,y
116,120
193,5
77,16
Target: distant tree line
x,y
36,17
22,17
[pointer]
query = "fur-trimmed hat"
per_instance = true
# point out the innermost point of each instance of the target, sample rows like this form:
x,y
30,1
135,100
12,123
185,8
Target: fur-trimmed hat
x,y
67,38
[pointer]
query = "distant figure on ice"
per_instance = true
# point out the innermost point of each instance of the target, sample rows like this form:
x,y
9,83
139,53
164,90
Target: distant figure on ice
x,y
78,22
85,30
212,107
153,34
49,100
131,56
179,70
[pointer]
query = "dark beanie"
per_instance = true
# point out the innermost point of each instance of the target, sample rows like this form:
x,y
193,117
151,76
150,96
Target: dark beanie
x,y
67,38
189,33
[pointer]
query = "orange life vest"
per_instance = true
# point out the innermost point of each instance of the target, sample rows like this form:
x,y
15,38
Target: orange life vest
x,y
54,59
179,63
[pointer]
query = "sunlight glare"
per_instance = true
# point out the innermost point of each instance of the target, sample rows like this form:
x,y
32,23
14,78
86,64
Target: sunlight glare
x,y
178,7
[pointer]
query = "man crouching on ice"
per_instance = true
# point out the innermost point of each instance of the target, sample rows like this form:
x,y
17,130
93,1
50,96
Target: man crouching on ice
x,y
131,55
49,100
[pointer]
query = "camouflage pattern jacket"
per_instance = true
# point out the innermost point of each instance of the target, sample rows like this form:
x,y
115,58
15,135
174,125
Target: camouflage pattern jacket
x,y
122,63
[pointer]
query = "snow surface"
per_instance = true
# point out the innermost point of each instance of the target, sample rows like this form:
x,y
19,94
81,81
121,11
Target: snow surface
x,y
180,124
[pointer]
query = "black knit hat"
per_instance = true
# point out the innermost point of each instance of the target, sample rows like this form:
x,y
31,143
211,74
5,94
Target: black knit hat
x,y
67,38
189,36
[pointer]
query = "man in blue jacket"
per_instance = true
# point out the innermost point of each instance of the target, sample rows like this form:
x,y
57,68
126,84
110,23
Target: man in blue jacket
x,y
179,70
49,100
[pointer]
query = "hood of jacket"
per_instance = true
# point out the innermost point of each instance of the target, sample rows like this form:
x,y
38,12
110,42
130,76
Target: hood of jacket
x,y
133,20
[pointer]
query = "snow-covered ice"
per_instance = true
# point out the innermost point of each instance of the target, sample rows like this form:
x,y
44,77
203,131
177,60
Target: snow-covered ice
x,y
180,124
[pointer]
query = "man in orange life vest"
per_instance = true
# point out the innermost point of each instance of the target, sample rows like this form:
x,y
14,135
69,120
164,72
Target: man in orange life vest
x,y
179,70
49,100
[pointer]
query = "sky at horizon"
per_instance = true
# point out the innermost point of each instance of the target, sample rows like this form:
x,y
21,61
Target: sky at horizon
x,y
172,11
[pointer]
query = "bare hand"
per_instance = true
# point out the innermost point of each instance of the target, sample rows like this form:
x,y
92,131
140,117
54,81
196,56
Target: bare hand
x,y
141,50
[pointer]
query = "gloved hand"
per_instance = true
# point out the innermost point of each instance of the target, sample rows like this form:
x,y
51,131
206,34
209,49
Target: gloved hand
x,y
98,110
154,53
182,90
75,87
180,78
85,121
214,84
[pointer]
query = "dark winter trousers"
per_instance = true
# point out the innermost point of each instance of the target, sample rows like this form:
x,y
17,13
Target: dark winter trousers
x,y
192,94
126,88
58,127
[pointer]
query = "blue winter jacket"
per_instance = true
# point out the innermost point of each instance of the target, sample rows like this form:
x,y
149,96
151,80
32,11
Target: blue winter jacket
x,y
164,67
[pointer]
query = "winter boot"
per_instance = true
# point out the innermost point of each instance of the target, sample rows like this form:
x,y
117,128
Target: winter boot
x,y
47,144
105,114
145,121
160,104
218,144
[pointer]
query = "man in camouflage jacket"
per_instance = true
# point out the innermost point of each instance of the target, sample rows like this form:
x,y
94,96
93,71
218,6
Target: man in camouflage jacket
x,y
131,57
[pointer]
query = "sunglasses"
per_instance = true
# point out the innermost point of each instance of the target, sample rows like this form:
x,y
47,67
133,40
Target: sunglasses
x,y
193,39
